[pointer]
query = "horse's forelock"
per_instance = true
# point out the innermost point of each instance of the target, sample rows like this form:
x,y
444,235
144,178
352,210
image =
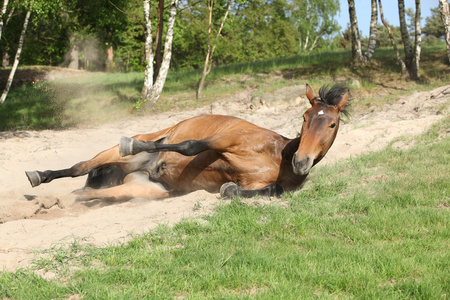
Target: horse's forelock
x,y
332,96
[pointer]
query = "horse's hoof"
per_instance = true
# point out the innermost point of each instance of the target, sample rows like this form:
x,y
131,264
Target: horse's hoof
x,y
126,146
229,190
34,178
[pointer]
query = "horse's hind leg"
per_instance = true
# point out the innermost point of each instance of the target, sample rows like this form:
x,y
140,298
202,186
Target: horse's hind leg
x,y
136,185
107,157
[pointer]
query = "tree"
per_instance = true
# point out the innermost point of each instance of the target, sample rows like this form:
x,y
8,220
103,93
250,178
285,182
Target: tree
x,y
394,44
356,41
314,20
373,32
148,45
158,41
5,6
357,55
209,54
17,57
151,92
445,15
412,55
433,24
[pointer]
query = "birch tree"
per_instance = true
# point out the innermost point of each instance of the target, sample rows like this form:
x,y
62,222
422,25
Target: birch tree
x,y
17,57
445,15
373,32
357,55
314,19
356,41
412,55
158,42
152,91
148,46
394,44
2,16
210,52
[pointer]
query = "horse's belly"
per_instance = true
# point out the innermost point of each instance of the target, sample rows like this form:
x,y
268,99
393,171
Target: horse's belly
x,y
205,171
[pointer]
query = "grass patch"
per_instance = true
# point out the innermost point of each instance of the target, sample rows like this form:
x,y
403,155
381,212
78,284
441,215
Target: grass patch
x,y
97,98
372,227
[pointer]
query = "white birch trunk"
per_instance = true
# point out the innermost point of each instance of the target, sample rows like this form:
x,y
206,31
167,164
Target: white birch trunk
x,y
17,57
5,6
315,42
305,45
148,79
418,42
157,88
445,16
373,32
356,41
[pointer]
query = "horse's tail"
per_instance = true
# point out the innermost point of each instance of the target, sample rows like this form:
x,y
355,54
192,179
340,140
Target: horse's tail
x,y
105,176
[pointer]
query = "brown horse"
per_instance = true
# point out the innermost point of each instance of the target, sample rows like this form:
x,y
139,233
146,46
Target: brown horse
x,y
213,153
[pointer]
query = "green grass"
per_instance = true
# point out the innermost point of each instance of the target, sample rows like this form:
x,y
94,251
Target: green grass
x,y
373,227
97,98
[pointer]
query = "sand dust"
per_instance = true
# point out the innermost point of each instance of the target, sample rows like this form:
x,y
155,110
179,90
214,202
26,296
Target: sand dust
x,y
37,218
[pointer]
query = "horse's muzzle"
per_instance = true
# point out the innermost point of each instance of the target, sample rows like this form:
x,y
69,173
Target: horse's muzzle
x,y
303,166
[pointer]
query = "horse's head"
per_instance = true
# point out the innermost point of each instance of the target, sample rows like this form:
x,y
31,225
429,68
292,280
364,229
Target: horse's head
x,y
320,126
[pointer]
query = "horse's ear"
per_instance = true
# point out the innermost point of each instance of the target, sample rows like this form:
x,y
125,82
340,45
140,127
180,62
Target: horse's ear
x,y
310,94
341,104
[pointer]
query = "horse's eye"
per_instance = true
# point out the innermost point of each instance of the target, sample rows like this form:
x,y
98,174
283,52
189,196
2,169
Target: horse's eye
x,y
333,125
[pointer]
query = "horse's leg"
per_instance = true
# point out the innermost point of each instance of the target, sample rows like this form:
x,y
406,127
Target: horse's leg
x,y
231,189
131,146
107,157
136,185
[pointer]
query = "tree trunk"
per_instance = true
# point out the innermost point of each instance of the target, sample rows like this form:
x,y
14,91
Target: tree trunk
x,y
445,15
356,42
5,6
159,34
208,53
405,36
208,61
315,42
373,32
394,44
157,88
418,42
148,79
16,59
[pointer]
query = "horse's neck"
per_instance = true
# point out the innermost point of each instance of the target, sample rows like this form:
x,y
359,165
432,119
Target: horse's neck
x,y
289,147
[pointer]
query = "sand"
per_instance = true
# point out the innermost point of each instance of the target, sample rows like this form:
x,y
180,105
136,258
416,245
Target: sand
x,y
33,219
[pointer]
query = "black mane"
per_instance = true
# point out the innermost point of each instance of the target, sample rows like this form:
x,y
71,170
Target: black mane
x,y
331,96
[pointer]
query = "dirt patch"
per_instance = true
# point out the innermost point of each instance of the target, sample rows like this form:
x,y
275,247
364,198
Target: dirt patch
x,y
35,219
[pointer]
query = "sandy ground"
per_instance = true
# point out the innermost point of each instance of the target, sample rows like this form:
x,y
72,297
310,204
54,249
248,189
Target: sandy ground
x,y
38,218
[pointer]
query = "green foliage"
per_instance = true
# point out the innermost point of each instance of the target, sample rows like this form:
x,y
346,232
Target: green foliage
x,y
434,26
369,227
254,30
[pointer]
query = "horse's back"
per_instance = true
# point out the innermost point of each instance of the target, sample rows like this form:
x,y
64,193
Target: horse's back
x,y
202,126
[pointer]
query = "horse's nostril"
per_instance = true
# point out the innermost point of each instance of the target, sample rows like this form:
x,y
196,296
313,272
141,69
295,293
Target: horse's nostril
x,y
303,166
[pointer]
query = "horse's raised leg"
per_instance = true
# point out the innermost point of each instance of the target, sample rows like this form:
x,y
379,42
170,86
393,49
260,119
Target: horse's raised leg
x,y
107,157
136,185
231,189
131,146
